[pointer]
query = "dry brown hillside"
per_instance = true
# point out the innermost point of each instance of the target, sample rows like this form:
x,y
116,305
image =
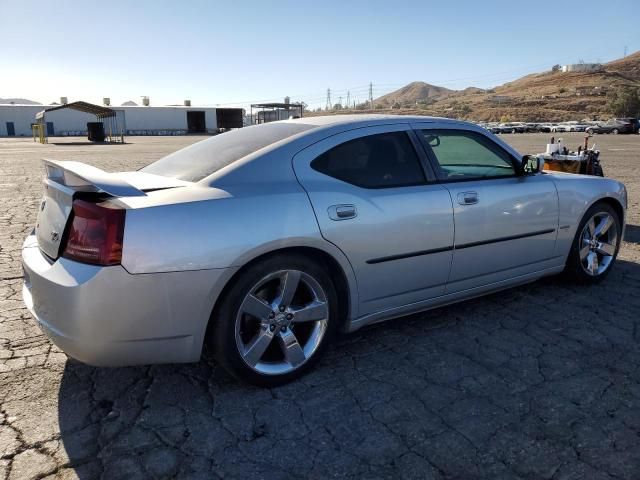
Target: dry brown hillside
x,y
547,96
414,92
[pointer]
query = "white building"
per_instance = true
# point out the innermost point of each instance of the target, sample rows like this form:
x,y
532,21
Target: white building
x,y
16,120
582,67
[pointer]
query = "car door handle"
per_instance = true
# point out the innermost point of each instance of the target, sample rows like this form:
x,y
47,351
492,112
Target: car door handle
x,y
342,212
468,198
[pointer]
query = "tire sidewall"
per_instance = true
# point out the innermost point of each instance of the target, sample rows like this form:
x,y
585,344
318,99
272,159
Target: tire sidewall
x,y
574,265
224,342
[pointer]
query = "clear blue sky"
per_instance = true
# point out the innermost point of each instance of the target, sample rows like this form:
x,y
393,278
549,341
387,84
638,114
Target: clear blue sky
x,y
241,51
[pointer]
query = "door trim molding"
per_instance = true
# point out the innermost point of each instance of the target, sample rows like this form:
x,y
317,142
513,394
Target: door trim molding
x,y
504,239
459,247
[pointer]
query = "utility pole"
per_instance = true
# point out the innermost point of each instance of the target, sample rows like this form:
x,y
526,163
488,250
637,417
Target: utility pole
x,y
348,99
328,106
340,101
371,94
625,50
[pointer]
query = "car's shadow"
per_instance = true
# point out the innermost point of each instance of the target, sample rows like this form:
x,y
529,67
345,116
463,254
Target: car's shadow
x,y
433,391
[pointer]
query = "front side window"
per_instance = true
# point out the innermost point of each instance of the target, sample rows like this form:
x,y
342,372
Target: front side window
x,y
376,161
465,155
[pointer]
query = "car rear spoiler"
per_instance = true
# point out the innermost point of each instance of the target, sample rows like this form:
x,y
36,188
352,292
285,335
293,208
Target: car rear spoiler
x,y
80,176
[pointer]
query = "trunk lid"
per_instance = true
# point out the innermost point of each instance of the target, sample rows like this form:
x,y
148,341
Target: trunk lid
x,y
65,180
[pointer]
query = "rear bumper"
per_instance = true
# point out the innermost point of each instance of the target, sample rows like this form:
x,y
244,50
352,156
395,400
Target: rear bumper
x,y
105,316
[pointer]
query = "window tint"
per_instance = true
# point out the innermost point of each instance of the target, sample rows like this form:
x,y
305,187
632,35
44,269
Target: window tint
x,y
201,159
462,155
375,161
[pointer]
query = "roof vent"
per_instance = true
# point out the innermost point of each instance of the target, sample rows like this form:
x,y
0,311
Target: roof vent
x,y
187,103
64,100
145,101
106,101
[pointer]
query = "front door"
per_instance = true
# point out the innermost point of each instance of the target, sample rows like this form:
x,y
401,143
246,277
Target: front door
x,y
505,223
372,199
11,129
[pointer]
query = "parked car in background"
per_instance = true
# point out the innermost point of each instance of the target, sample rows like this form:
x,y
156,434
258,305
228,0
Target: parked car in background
x,y
511,127
559,128
634,122
613,127
578,127
263,242
545,127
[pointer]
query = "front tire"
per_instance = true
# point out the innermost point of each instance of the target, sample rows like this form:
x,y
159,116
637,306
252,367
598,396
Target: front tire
x,y
595,246
276,320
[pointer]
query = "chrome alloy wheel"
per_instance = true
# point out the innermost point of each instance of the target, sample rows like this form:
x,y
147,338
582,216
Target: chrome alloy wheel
x,y
598,242
281,322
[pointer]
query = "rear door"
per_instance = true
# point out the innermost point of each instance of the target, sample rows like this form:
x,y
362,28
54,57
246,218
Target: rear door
x,y
373,199
505,224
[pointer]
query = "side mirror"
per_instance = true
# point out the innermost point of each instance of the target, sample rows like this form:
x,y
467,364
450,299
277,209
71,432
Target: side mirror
x,y
532,164
432,140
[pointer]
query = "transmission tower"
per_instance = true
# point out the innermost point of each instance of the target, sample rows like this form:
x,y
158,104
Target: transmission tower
x,y
328,106
340,101
348,99
371,94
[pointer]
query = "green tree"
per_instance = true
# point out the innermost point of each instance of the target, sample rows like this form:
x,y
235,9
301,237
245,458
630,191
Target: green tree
x,y
624,102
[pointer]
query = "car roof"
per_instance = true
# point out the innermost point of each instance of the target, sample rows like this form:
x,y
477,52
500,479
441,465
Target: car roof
x,y
367,119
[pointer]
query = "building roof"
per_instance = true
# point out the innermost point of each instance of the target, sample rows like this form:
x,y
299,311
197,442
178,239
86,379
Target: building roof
x,y
98,110
276,105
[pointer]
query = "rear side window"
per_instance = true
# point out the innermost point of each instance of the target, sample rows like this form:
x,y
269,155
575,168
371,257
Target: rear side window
x,y
201,159
465,155
376,161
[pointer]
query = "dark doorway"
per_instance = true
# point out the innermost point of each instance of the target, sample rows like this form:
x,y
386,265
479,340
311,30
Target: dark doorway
x,y
11,129
229,118
50,130
196,123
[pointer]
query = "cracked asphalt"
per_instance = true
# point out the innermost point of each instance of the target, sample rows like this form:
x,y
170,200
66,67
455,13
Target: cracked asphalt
x,y
538,382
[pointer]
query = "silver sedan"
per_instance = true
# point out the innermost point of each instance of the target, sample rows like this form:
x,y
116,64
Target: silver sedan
x,y
262,243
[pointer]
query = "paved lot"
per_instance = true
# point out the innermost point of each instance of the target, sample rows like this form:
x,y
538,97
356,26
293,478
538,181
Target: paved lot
x,y
538,382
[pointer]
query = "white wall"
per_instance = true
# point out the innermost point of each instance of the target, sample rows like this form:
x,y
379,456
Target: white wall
x,y
22,117
153,120
165,118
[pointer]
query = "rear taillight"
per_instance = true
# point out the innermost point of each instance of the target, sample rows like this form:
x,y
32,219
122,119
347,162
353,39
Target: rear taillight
x,y
95,235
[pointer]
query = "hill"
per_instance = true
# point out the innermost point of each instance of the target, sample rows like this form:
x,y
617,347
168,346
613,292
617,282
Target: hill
x,y
413,93
545,96
17,101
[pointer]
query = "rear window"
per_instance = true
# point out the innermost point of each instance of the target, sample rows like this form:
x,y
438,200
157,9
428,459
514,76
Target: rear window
x,y
201,159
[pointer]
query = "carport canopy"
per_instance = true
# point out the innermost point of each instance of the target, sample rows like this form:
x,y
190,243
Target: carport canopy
x,y
98,110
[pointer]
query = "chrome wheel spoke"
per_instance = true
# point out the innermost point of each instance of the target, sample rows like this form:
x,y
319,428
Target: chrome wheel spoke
x,y
584,251
311,313
289,286
293,353
604,226
591,225
255,307
592,263
605,249
256,349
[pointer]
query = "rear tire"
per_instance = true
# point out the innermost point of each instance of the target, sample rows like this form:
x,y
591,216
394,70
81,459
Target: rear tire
x,y
276,320
595,246
615,131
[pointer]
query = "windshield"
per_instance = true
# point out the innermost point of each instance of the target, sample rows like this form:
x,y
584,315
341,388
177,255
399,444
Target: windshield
x,y
201,159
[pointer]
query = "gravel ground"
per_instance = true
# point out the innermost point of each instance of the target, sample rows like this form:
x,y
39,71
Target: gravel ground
x,y
542,381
